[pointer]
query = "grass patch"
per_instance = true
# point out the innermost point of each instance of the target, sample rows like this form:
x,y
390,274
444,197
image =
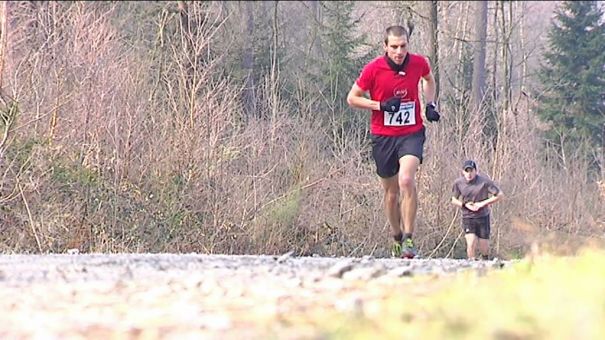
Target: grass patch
x,y
547,297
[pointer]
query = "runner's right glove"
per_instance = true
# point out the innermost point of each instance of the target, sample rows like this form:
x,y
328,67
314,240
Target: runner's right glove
x,y
391,104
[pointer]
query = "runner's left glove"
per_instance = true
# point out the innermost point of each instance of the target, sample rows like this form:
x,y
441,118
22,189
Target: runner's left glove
x,y
431,112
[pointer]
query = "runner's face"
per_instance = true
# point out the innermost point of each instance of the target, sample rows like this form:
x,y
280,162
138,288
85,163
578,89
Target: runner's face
x,y
469,174
396,48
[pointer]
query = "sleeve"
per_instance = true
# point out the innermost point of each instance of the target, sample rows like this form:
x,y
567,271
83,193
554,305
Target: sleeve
x,y
426,68
492,188
365,81
456,190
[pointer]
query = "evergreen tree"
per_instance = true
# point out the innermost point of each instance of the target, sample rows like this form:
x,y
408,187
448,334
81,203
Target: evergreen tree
x,y
344,52
573,75
341,65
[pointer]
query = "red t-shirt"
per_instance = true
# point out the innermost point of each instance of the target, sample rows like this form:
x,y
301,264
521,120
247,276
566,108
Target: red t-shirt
x,y
382,83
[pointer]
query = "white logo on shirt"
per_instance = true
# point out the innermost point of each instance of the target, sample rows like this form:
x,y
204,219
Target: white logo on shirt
x,y
400,93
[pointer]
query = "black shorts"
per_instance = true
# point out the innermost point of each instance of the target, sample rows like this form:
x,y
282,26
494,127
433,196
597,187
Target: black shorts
x,y
477,225
386,151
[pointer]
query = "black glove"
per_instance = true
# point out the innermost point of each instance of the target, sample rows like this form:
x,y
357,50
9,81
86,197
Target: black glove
x,y
431,113
391,104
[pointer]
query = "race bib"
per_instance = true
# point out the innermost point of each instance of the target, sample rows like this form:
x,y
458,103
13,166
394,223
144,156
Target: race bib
x,y
405,116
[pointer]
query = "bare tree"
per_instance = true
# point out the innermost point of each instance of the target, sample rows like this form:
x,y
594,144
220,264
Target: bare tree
x,y
316,41
507,31
3,38
248,63
8,105
479,44
434,42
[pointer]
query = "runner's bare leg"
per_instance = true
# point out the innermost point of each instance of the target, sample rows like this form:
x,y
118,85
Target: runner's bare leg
x,y
483,246
471,244
408,166
391,203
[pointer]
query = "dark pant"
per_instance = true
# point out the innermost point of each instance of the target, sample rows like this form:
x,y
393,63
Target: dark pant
x,y
386,151
479,226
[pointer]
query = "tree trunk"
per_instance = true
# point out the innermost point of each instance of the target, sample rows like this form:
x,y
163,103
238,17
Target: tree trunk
x,y
248,63
189,49
495,59
434,43
8,106
274,72
186,33
506,57
478,85
3,40
316,7
524,53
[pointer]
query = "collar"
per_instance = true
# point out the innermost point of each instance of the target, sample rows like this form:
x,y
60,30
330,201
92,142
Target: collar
x,y
395,67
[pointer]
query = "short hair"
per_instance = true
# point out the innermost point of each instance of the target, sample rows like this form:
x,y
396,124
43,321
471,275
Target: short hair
x,y
396,31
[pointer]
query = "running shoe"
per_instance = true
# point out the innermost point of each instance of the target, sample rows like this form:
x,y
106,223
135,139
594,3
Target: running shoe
x,y
396,249
408,250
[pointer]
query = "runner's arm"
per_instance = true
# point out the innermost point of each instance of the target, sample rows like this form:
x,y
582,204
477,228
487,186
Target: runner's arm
x,y
491,200
457,202
429,88
356,98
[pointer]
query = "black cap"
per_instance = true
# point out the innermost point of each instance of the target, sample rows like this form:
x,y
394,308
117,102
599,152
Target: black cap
x,y
469,164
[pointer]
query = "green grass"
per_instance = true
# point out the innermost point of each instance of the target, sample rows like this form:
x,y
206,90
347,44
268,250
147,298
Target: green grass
x,y
546,297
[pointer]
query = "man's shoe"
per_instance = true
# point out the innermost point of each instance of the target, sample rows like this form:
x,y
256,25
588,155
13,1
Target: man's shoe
x,y
408,250
396,249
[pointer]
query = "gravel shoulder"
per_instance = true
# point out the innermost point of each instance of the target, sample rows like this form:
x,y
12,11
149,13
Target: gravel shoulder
x,y
153,296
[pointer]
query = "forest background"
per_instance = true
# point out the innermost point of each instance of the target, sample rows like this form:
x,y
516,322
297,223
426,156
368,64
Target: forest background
x,y
222,127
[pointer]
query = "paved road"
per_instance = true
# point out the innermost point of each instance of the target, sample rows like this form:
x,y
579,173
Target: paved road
x,y
180,296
